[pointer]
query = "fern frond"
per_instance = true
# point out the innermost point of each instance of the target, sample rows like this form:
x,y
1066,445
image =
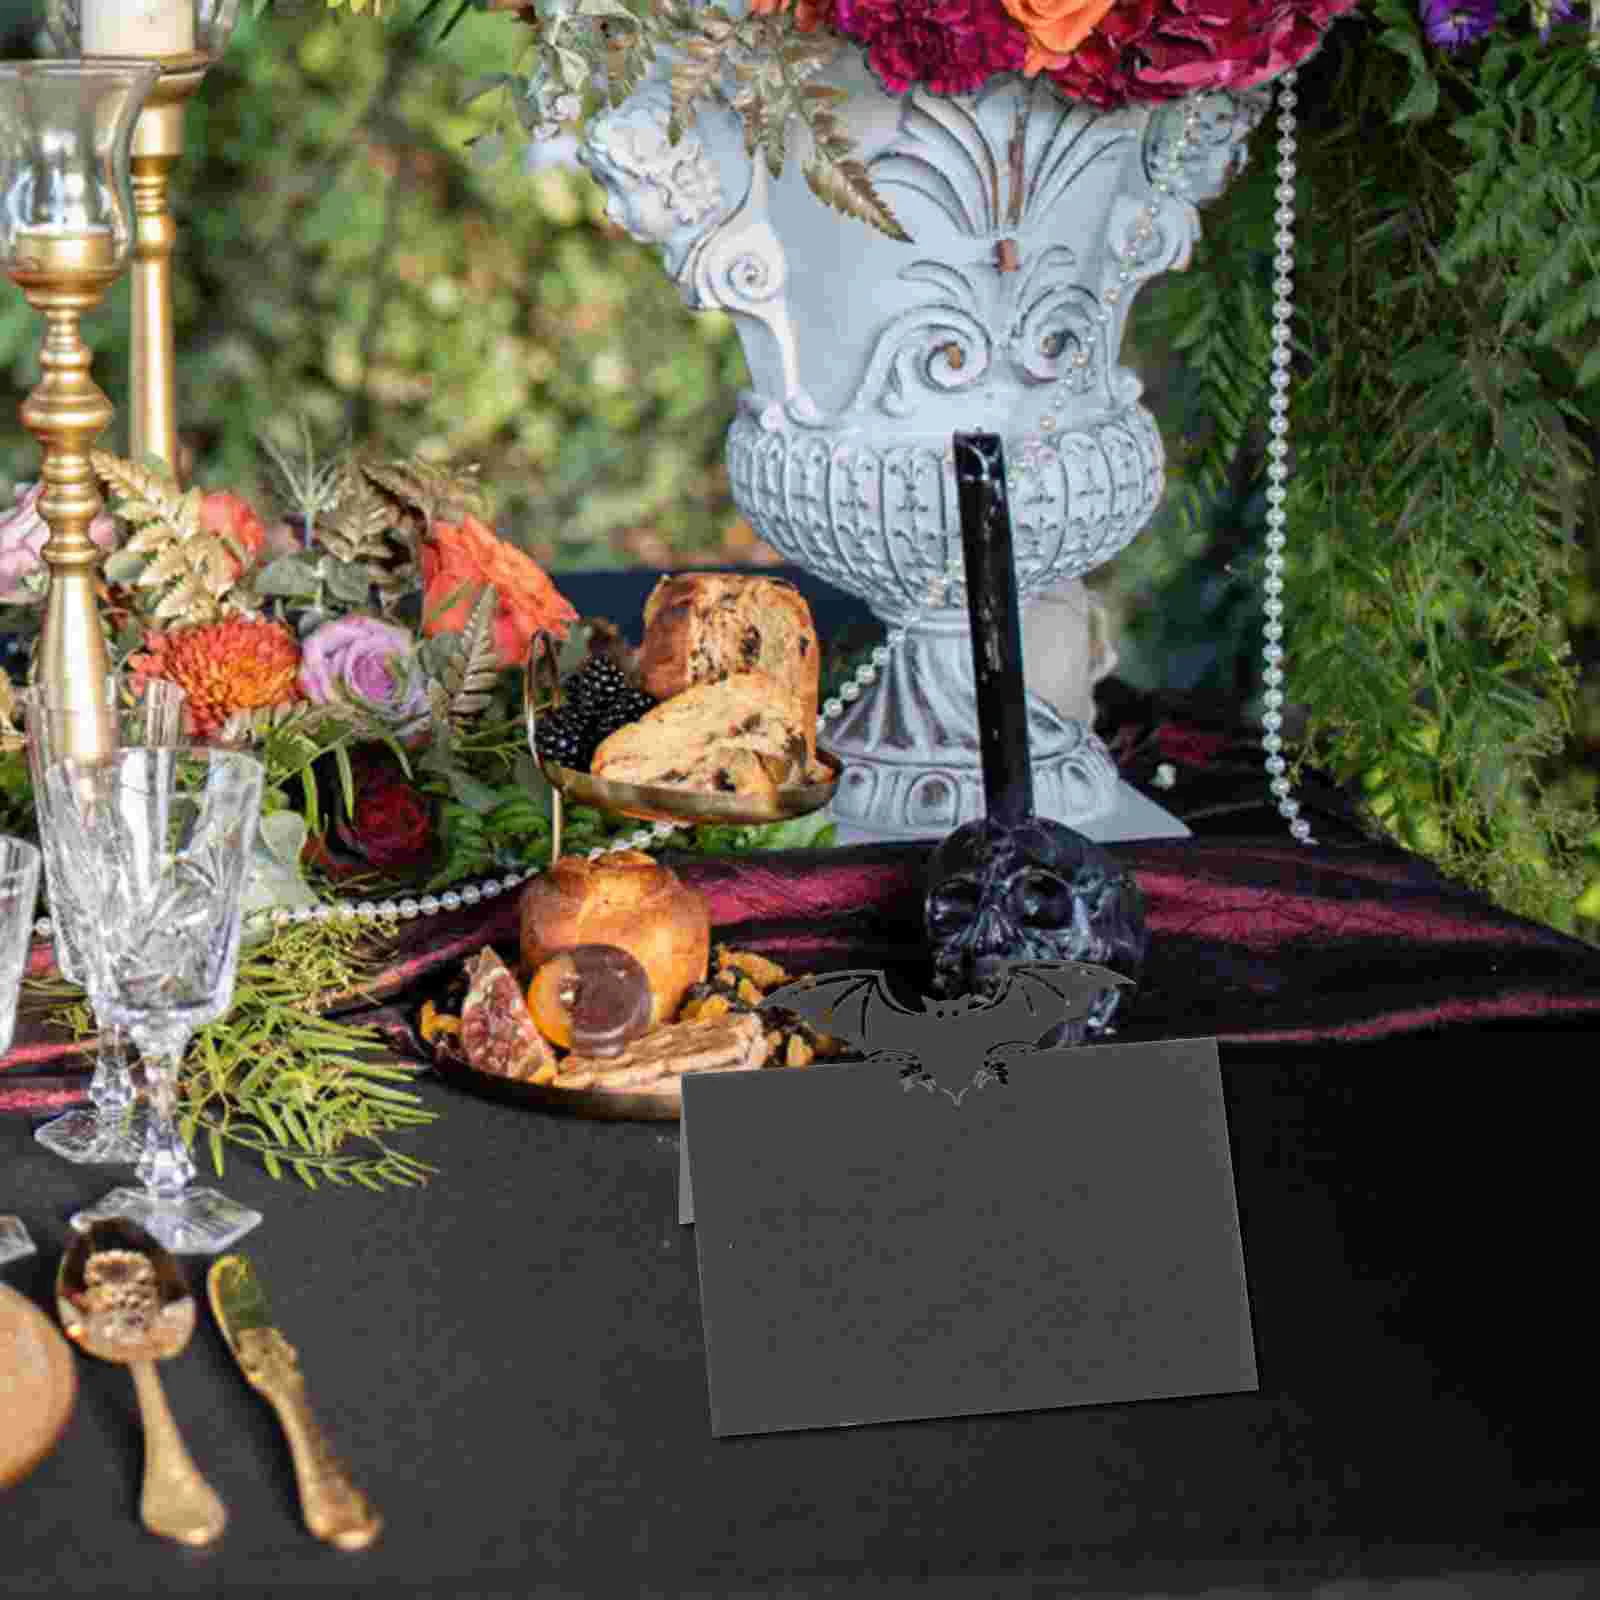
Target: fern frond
x,y
429,492
148,495
470,677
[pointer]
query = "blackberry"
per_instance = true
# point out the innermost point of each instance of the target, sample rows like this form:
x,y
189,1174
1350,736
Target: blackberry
x,y
597,686
566,739
627,707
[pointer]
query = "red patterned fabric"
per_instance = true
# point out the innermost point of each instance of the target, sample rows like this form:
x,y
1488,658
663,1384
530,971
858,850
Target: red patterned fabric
x,y
1255,939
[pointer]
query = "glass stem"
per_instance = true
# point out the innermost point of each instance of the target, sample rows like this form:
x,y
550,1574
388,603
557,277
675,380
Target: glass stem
x,y
111,1088
165,1168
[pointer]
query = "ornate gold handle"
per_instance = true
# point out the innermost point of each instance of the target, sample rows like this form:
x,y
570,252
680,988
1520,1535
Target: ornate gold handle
x,y
335,1509
177,1502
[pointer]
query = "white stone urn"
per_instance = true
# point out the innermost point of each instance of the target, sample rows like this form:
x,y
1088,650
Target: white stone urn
x,y
1005,313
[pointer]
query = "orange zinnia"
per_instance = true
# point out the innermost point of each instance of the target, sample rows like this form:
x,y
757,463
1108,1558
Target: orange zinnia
x,y
240,664
465,557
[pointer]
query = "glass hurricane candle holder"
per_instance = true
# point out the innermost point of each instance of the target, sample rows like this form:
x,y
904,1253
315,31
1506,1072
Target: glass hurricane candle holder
x,y
65,235
155,846
183,37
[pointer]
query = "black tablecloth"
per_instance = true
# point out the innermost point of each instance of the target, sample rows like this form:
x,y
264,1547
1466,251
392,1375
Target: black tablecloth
x,y
511,1360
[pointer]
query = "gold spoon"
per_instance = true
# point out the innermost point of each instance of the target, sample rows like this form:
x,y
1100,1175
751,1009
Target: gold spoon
x,y
123,1298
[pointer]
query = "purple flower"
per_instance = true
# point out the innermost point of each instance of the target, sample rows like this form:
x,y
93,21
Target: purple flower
x,y
366,662
1453,23
1559,11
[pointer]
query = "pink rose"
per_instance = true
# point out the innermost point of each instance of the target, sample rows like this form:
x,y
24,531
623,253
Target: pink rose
x,y
365,662
23,534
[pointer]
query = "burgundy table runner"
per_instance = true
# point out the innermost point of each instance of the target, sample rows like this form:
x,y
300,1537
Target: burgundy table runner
x,y
1254,939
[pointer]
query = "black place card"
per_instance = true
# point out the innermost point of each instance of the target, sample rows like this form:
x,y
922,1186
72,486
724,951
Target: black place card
x,y
874,1249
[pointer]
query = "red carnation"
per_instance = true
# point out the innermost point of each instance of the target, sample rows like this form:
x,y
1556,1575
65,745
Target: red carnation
x,y
948,46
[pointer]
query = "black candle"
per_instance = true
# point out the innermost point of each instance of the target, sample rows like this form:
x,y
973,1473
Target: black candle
x,y
996,617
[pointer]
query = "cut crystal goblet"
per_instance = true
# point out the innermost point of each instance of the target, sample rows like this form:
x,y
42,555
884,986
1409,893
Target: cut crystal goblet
x,y
155,845
111,1131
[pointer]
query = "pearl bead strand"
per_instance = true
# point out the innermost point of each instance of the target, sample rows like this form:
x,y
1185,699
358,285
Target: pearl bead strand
x,y
1277,467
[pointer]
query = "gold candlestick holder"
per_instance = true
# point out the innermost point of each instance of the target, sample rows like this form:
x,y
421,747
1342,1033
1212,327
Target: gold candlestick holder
x,y
65,234
157,147
64,277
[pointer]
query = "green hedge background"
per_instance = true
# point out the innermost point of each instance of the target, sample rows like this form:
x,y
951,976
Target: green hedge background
x,y
343,257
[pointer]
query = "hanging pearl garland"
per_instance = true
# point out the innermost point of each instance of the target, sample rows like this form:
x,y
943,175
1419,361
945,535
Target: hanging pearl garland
x,y
1277,467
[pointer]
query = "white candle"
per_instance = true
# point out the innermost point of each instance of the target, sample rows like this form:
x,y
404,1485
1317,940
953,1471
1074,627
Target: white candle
x,y
137,27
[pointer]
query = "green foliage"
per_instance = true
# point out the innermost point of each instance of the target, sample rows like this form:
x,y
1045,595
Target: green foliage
x,y
344,258
1444,422
305,1093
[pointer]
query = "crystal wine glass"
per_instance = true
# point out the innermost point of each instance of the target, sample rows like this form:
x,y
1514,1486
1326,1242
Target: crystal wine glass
x,y
19,894
155,845
111,1132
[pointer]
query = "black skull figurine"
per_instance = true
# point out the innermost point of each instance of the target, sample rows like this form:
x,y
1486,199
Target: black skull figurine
x,y
1030,891
1012,886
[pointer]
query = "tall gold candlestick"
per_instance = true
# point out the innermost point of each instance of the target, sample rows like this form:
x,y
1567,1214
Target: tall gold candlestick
x,y
157,145
63,274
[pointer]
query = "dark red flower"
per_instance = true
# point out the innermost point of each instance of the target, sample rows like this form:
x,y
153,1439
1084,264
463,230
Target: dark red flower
x,y
949,46
1164,49
391,826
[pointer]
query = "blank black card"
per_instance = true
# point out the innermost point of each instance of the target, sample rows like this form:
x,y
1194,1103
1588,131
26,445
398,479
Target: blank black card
x,y
870,1252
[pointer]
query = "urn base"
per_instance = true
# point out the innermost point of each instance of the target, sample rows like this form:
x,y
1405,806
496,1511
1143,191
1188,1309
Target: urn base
x,y
1131,816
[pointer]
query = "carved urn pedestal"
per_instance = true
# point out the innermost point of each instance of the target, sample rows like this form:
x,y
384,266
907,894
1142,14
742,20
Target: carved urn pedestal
x,y
1033,221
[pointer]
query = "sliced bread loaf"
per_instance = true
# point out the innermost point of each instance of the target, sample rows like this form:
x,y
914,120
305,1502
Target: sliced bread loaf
x,y
740,735
700,627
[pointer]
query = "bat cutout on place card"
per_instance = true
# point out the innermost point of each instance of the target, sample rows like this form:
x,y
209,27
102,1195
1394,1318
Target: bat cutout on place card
x,y
934,1047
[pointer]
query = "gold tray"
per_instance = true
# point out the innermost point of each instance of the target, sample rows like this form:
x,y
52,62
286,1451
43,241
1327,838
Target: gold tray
x,y
541,691
663,1103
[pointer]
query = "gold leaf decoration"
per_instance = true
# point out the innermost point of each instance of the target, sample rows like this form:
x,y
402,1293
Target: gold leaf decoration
x,y
846,187
433,493
188,573
11,737
374,530
157,495
470,677
247,728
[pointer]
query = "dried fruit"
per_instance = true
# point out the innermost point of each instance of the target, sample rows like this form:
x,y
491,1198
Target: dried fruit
x,y
436,1024
497,1034
763,973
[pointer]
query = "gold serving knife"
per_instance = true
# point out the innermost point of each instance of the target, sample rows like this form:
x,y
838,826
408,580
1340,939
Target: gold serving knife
x,y
335,1510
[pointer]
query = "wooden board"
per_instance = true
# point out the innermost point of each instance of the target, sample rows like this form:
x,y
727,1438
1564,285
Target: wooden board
x,y
38,1386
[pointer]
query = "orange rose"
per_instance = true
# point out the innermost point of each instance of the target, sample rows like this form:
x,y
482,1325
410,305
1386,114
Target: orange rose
x,y
466,557
230,516
1055,28
809,15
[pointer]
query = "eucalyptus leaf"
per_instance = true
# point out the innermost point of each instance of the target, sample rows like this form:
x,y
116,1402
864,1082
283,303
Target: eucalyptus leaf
x,y
123,566
290,576
350,581
471,792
